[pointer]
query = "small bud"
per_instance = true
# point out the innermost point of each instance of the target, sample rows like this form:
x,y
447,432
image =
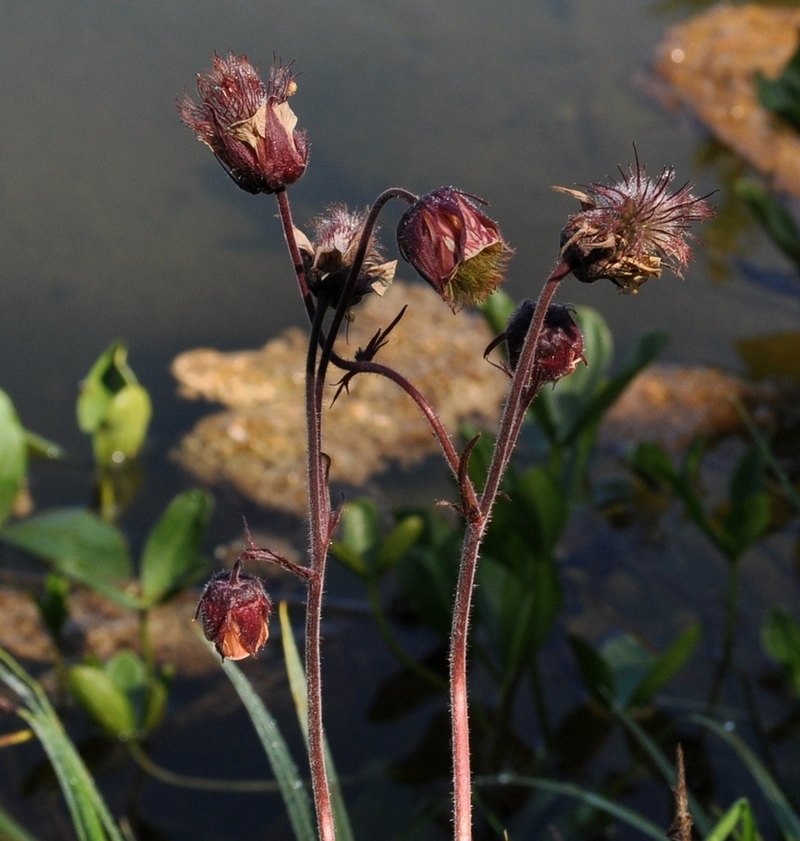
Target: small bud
x,y
328,259
454,246
247,124
630,230
234,610
560,345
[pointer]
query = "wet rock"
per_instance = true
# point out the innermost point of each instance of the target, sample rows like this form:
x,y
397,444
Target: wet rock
x,y
709,64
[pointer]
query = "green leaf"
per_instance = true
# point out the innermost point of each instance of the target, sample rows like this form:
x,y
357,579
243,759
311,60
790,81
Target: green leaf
x,y
171,554
497,309
108,375
593,669
738,818
360,527
782,95
785,816
124,428
398,542
780,637
629,662
648,348
543,509
80,546
749,513
10,830
91,818
354,561
53,606
113,408
666,666
293,790
13,456
106,703
297,685
652,462
559,409
773,216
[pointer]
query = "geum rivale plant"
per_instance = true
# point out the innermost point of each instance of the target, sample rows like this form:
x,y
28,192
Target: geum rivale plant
x,y
627,231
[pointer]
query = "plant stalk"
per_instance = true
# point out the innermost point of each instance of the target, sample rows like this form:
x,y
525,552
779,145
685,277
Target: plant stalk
x,y
524,385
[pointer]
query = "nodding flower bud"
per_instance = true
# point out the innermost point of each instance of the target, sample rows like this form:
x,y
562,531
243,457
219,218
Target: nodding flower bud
x,y
454,246
234,610
629,230
560,345
328,259
248,124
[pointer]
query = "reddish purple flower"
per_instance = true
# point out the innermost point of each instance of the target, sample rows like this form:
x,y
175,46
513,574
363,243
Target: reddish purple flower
x,y
560,345
630,230
454,246
328,259
248,124
234,610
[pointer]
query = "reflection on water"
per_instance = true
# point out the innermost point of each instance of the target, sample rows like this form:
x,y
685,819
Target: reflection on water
x,y
118,224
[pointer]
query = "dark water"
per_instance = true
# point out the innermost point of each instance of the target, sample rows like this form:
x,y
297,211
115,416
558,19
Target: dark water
x,y
118,224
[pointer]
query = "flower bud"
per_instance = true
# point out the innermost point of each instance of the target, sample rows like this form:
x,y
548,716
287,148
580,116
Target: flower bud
x,y
454,246
560,345
247,124
234,610
328,259
628,231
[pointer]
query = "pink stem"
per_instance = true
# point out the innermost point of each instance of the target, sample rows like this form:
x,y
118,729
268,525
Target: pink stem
x,y
519,398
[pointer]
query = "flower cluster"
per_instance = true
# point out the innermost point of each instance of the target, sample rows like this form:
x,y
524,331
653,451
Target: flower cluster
x,y
248,124
630,230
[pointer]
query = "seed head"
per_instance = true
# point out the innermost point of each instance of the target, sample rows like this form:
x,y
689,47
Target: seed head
x,y
630,230
454,246
248,124
328,259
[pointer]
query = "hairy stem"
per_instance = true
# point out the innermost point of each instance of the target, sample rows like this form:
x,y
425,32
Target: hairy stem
x,y
319,537
523,388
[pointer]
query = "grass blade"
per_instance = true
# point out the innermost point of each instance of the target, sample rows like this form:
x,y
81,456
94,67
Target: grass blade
x,y
90,815
739,817
294,793
10,830
786,817
588,798
665,767
297,684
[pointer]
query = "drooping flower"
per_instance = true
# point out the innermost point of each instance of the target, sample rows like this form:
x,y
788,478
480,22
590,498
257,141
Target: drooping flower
x,y
559,347
454,246
248,124
328,259
630,230
234,610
